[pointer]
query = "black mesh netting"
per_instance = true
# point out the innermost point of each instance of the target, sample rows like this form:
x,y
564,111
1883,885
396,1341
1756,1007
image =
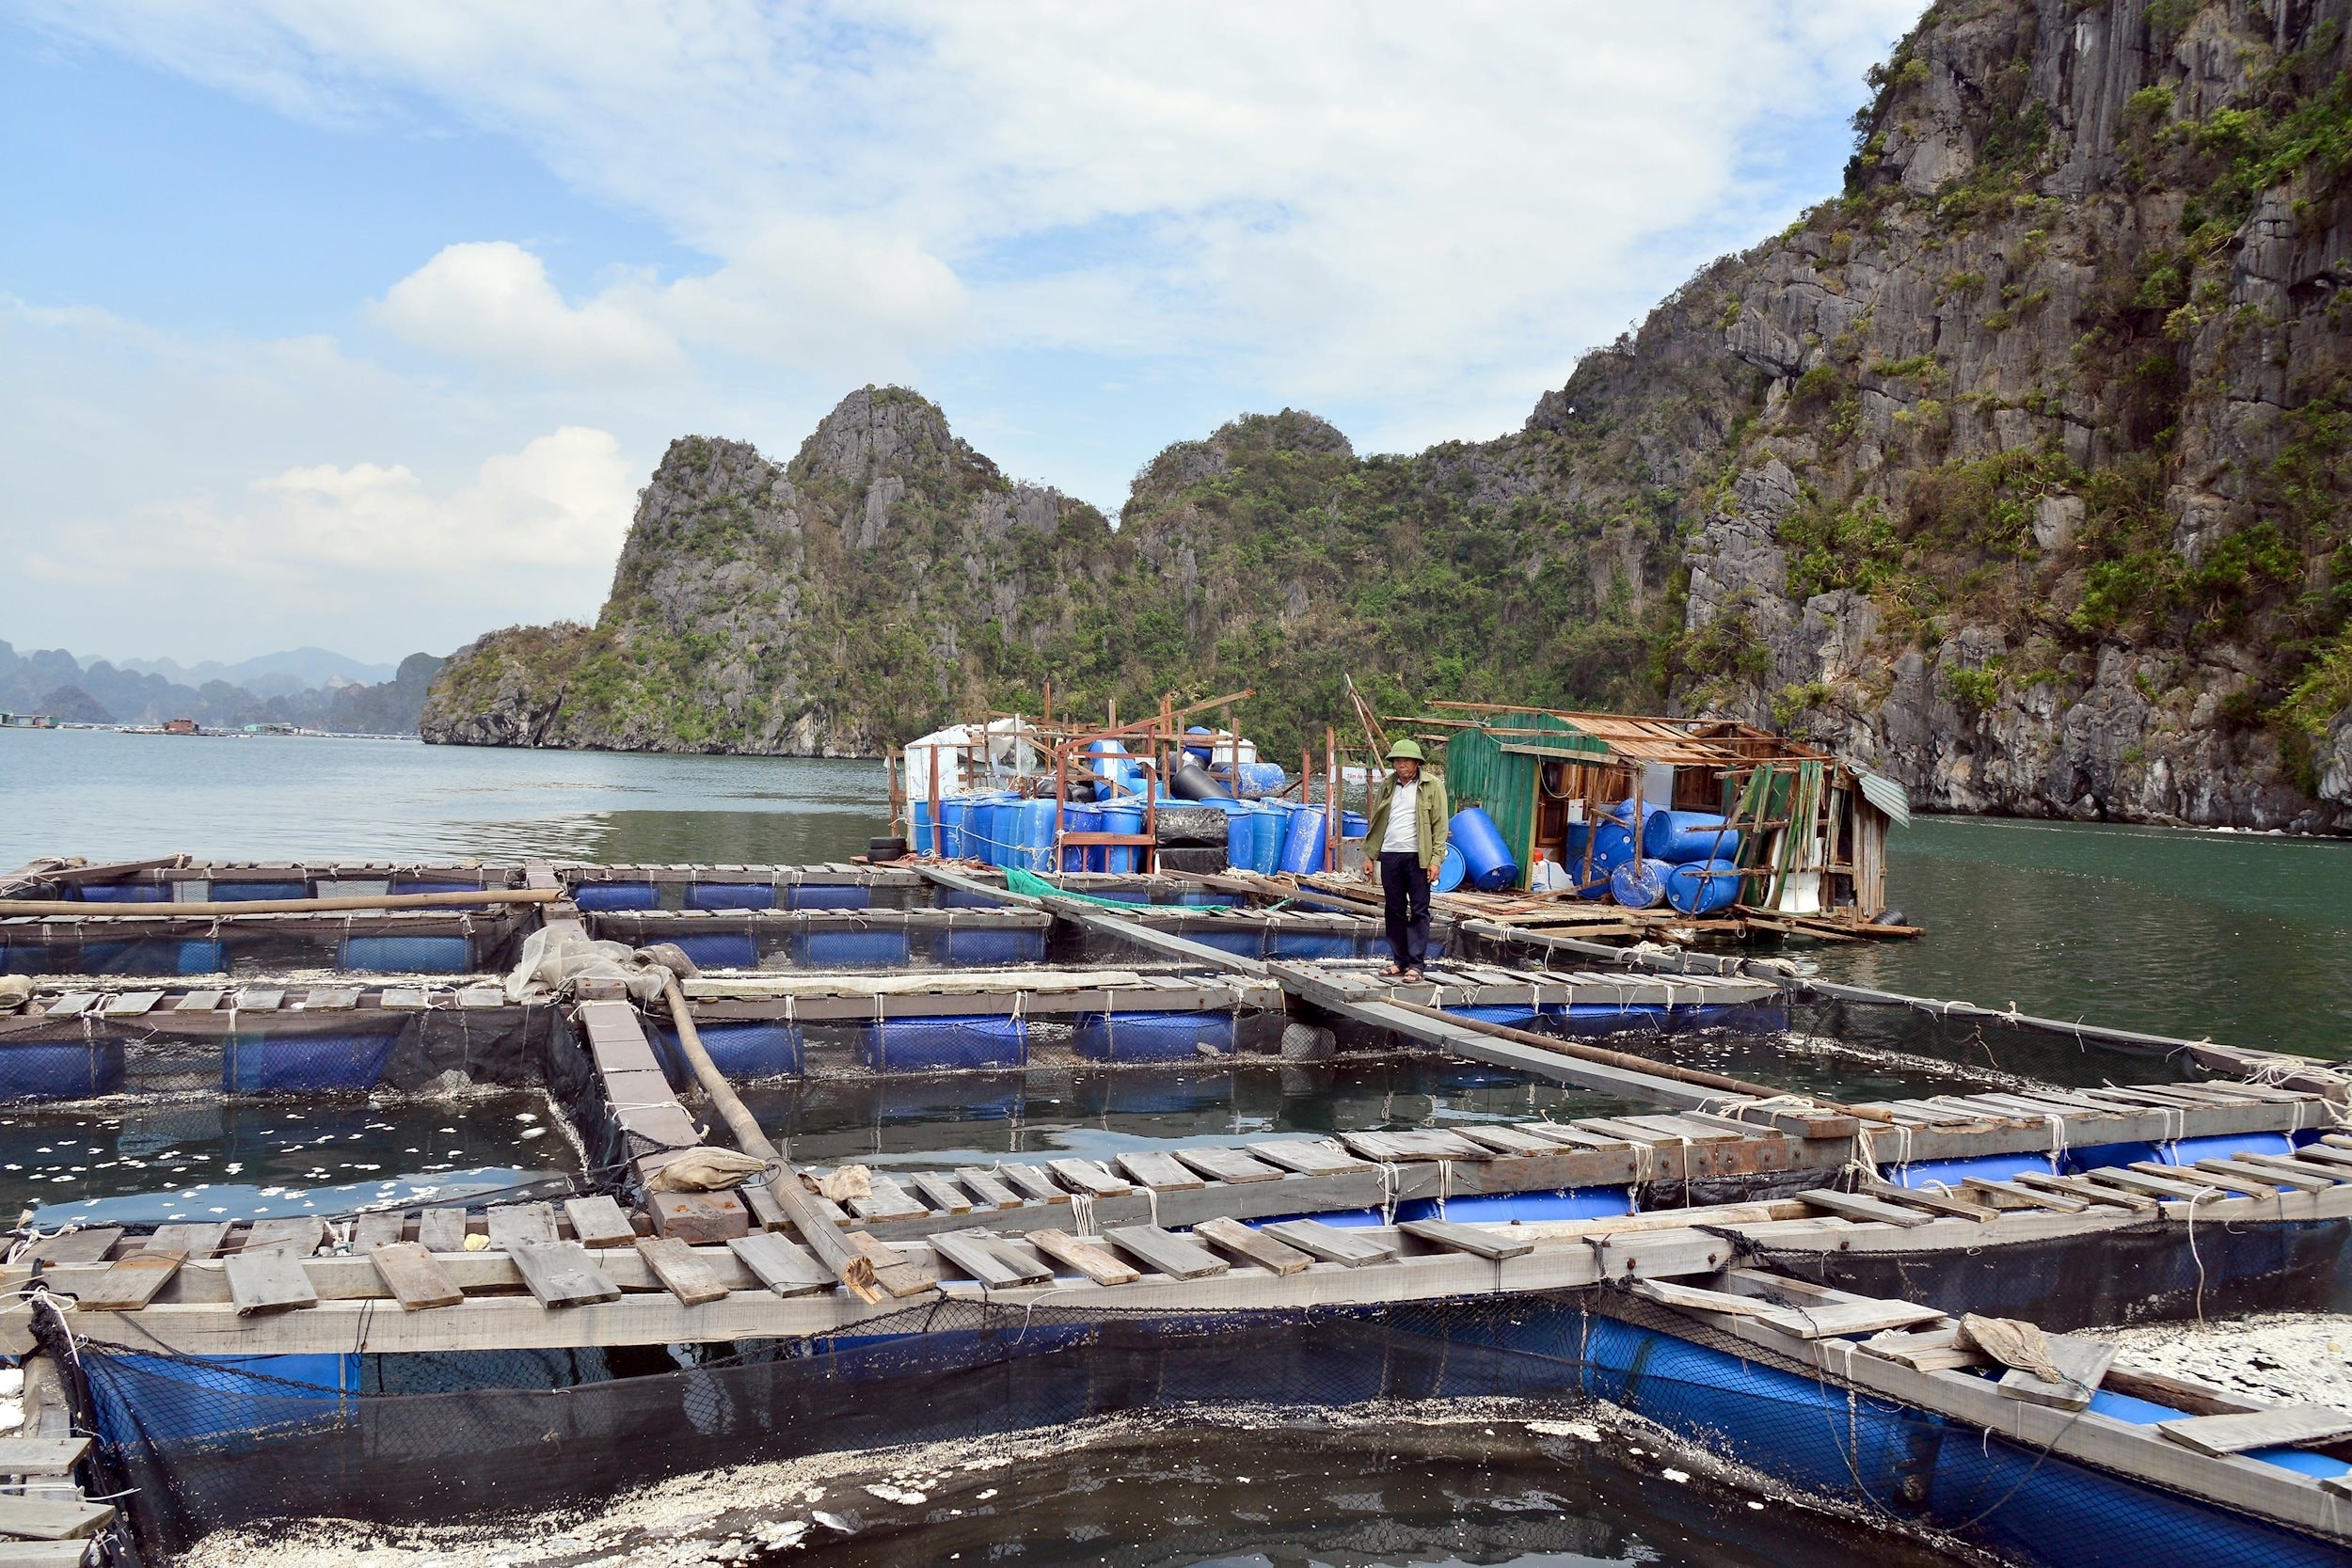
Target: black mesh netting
x,y
206,1444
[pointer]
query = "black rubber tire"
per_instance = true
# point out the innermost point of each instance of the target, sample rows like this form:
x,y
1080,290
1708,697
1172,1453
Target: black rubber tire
x,y
891,848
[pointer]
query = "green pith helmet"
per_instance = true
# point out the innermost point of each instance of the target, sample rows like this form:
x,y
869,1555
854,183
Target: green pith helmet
x,y
1406,751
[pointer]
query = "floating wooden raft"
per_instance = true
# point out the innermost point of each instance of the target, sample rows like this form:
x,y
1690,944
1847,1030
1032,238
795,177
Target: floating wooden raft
x,y
206,1012
831,874
951,992
1924,1359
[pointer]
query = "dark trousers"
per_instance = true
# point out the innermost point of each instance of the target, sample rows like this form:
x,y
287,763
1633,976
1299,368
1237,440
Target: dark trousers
x,y
1405,895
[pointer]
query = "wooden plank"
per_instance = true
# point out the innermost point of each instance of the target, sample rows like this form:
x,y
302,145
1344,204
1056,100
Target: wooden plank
x,y
377,1227
1159,1172
131,1004
1343,1244
1910,1198
598,1222
2084,1362
1510,1140
270,1280
72,1004
199,1002
1085,1175
2283,1426
1035,1183
2008,1195
38,1519
76,1246
443,1230
42,1456
2090,1192
1472,1239
1177,1257
1229,1165
514,1225
982,1184
682,1273
1307,1156
2289,1173
2222,1173
560,1274
974,1253
339,999
1085,1257
892,1270
415,1278
1853,1206
941,1193
785,1267
192,1239
1252,1247
259,999
1692,1298
132,1283
885,1199
295,1235
2155,1186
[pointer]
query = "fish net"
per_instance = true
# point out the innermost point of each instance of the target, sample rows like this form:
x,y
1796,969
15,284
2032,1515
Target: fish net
x,y
196,1444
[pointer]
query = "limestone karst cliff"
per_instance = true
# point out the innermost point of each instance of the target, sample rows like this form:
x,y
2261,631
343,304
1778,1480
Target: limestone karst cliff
x,y
2020,469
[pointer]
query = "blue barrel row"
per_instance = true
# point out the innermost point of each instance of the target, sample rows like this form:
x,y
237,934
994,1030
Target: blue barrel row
x,y
1688,860
1006,829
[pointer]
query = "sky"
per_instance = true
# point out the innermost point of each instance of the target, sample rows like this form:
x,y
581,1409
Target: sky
x,y
362,326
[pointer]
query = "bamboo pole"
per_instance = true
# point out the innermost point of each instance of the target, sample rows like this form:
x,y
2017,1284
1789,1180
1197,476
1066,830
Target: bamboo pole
x,y
823,1237
283,906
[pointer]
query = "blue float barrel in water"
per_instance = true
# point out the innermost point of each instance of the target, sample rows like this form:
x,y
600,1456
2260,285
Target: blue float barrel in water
x,y
1702,887
1450,870
1490,859
1302,841
1683,836
1640,884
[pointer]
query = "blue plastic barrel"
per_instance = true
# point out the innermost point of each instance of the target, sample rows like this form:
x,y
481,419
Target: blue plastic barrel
x,y
1267,828
1121,819
951,814
1241,837
1036,836
920,837
1640,884
1613,845
1204,753
1302,842
1260,777
1450,870
1108,752
977,825
1702,887
1684,836
1082,819
1353,824
1488,859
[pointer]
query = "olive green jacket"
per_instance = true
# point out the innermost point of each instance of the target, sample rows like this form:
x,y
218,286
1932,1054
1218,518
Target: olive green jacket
x,y
1435,819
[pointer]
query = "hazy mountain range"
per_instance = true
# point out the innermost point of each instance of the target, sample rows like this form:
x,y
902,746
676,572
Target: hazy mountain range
x,y
309,686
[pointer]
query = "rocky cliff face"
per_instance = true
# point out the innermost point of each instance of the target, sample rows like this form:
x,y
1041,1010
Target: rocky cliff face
x,y
2021,469
2041,505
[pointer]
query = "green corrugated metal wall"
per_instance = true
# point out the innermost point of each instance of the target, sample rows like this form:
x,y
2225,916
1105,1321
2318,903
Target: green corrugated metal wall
x,y
1479,773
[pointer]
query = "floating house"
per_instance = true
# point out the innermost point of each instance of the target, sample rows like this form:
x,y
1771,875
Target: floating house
x,y
1803,832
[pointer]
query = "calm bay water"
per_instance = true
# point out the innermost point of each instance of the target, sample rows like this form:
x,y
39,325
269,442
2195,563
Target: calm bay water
x,y
2241,937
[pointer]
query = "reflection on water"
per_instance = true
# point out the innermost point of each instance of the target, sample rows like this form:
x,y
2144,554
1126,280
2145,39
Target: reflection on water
x,y
244,1159
109,796
1460,1486
2237,937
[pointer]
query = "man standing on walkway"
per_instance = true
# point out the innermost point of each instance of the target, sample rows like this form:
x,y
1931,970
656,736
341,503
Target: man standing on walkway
x,y
1405,835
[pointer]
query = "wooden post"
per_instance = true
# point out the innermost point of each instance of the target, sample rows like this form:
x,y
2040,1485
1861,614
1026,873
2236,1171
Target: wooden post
x,y
834,1250
1332,801
939,838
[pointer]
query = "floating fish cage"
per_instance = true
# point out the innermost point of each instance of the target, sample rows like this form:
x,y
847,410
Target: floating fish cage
x,y
772,1146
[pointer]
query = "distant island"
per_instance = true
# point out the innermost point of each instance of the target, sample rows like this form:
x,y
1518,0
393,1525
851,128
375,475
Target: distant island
x,y
53,682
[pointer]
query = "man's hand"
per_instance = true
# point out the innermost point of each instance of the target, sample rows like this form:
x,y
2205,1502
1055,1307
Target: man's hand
x,y
1372,869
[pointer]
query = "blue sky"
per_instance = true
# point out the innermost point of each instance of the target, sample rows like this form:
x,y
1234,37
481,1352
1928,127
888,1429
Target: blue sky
x,y
360,327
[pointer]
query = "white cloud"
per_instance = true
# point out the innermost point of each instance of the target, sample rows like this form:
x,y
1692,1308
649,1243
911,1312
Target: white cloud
x,y
1318,196
493,302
